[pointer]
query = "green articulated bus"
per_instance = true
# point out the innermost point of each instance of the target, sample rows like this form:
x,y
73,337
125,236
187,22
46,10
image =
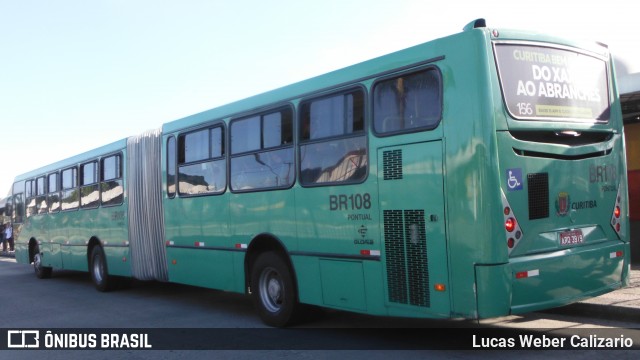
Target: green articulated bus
x,y
472,176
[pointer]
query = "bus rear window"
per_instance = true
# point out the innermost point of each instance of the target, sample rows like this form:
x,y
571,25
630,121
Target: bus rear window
x,y
545,83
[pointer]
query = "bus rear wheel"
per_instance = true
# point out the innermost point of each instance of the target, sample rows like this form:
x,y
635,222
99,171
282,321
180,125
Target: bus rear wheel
x,y
273,290
42,272
99,271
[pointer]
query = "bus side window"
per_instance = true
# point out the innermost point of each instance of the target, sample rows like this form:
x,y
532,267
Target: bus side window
x,y
112,186
41,196
408,103
171,167
89,191
30,195
16,207
262,151
333,145
201,162
70,196
53,198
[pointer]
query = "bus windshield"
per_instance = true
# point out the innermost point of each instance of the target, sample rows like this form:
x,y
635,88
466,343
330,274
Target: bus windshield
x,y
545,83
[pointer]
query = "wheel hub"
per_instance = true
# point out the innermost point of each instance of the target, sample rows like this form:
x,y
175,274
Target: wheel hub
x,y
274,289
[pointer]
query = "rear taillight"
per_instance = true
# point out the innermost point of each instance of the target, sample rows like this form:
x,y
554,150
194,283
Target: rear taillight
x,y
513,233
617,220
510,224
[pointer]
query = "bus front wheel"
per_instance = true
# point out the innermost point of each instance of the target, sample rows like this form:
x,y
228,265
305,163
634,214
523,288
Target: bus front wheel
x,y
42,272
273,290
99,271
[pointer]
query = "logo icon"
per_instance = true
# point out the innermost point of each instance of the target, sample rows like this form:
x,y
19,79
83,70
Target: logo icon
x,y
362,231
514,179
23,339
563,203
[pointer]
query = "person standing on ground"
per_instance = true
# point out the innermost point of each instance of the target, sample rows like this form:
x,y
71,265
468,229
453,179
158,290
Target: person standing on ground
x,y
7,237
4,241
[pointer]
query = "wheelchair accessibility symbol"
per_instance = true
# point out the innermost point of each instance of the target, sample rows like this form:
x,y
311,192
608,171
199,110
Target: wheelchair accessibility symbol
x,y
514,179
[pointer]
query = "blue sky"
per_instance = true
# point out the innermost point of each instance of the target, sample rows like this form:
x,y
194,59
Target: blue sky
x,y
77,74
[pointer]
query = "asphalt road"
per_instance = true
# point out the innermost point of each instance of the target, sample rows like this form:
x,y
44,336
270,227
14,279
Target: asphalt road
x,y
227,320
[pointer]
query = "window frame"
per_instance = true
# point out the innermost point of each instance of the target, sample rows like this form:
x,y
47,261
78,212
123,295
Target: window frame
x,y
29,197
181,158
95,184
171,166
17,202
262,149
69,190
41,194
426,68
54,192
364,133
104,183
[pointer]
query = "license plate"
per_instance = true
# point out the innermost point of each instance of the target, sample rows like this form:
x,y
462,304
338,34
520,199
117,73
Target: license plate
x,y
571,237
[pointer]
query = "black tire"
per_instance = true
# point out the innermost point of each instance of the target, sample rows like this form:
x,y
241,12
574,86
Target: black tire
x,y
42,272
273,290
99,271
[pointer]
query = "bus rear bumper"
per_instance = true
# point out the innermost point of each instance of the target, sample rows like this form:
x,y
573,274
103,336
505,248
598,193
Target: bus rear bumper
x,y
537,282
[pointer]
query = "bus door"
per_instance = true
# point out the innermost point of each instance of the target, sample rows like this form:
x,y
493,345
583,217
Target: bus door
x,y
413,234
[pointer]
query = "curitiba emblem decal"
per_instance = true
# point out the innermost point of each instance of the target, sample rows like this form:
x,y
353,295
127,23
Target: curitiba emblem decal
x,y
563,203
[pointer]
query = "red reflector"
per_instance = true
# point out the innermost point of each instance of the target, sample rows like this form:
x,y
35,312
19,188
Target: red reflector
x,y
616,254
370,252
521,275
527,274
507,210
618,227
510,243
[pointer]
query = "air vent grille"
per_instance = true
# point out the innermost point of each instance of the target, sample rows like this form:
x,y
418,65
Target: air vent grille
x,y
538,185
392,164
406,257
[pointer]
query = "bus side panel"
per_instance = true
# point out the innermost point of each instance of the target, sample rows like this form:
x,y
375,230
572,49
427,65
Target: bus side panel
x,y
258,218
74,249
337,229
200,251
470,179
115,233
201,267
51,255
117,260
36,227
493,290
307,270
412,212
